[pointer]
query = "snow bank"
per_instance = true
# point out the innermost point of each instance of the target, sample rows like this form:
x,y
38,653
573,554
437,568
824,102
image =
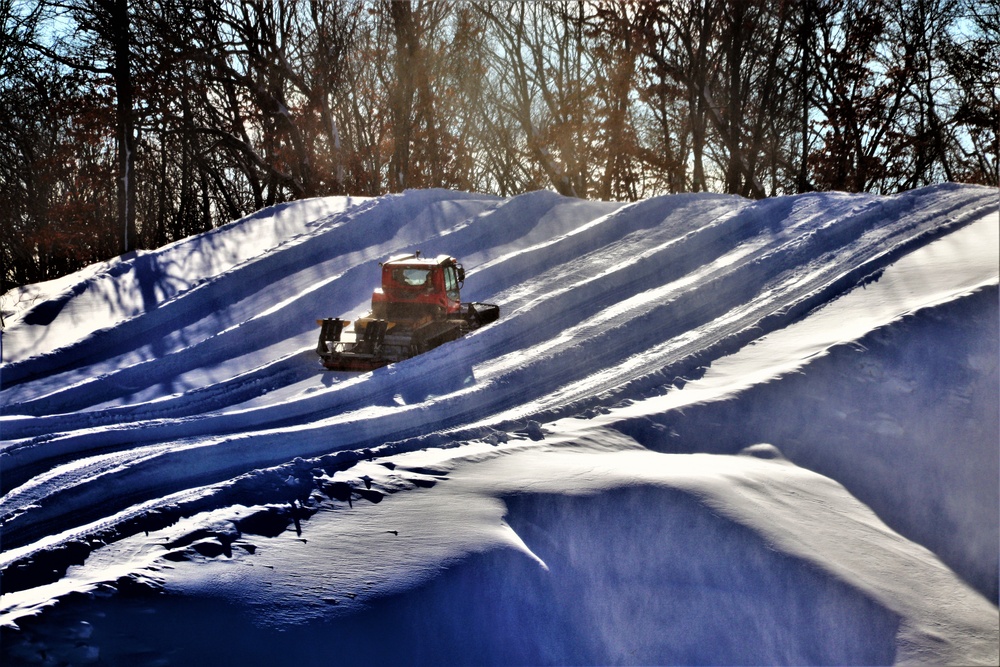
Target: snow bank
x,y
106,294
575,474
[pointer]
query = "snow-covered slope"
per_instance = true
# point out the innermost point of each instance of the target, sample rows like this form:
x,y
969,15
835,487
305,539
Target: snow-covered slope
x,y
704,429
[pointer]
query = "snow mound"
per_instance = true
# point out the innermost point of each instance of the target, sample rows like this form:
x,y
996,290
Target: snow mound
x,y
698,417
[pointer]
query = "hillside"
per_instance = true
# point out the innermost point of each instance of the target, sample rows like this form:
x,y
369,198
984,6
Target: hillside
x,y
704,430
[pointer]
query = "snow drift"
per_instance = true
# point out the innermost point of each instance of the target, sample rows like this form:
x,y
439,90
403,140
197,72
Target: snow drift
x,y
704,430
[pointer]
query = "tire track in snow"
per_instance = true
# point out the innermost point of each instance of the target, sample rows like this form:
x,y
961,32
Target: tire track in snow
x,y
367,232
632,233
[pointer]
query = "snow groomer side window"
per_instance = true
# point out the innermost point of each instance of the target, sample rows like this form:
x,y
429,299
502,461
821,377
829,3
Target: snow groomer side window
x,y
451,282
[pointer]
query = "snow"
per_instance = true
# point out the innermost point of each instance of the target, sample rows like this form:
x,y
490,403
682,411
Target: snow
x,y
704,430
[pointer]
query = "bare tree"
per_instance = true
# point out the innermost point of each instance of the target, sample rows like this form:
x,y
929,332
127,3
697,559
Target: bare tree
x,y
101,45
539,74
56,160
970,54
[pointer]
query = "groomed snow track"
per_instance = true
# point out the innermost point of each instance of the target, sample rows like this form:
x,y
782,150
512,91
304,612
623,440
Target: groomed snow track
x,y
183,389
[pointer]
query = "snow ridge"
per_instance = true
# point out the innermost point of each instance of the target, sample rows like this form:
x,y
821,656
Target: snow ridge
x,y
193,388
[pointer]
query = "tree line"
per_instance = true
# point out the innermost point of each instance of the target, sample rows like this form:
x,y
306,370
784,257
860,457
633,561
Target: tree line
x,y
128,125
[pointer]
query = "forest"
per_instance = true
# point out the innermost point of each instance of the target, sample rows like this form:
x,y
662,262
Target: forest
x,y
127,125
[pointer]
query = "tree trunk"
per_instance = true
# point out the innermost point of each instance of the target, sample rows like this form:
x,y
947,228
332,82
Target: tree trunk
x,y
403,26
125,121
806,47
